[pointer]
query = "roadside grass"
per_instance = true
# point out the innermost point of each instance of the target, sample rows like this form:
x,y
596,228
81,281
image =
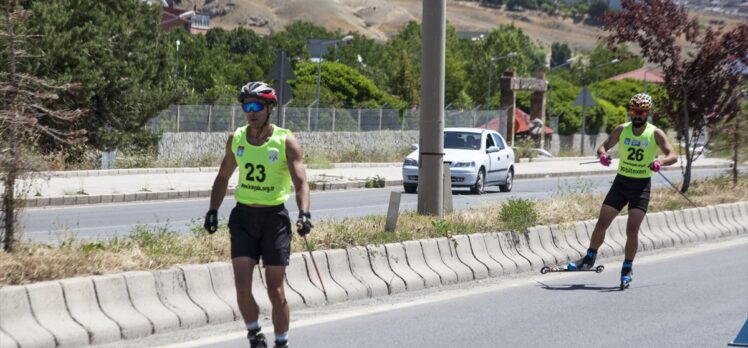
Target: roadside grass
x,y
150,248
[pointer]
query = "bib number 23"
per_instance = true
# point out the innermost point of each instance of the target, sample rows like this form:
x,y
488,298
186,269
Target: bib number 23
x,y
260,177
635,154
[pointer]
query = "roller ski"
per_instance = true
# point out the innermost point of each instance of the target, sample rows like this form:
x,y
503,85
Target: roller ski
x,y
566,268
586,264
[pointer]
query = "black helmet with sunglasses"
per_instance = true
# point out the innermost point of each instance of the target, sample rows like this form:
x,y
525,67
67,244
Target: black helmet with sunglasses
x,y
258,89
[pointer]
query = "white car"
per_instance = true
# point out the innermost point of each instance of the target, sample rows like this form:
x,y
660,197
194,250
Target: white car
x,y
477,157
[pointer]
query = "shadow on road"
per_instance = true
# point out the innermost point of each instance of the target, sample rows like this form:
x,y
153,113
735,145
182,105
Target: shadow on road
x,y
579,287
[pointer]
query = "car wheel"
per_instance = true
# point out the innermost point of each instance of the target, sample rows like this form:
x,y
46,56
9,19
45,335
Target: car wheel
x,y
409,188
480,183
509,182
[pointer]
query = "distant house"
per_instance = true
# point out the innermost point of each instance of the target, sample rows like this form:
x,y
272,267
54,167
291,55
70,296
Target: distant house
x,y
641,74
191,21
522,124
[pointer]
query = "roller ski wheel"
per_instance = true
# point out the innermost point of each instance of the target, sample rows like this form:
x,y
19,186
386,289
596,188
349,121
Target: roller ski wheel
x,y
625,285
547,269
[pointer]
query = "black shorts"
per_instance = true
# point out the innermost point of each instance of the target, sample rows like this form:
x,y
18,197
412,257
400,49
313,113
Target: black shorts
x,y
261,232
631,191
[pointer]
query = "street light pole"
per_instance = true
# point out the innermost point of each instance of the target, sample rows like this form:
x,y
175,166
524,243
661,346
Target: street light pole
x,y
597,77
490,68
177,68
319,71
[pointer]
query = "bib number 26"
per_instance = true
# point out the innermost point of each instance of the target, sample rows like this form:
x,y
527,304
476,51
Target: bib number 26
x,y
635,154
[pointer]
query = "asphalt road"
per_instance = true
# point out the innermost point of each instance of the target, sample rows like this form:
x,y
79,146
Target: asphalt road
x,y
695,296
104,221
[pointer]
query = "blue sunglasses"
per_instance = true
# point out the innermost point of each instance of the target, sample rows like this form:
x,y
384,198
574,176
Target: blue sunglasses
x,y
253,106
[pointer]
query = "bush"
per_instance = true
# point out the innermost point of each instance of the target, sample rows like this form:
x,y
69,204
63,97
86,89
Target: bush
x,y
518,214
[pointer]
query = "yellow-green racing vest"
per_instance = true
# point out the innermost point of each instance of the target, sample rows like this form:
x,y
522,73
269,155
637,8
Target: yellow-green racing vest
x,y
264,178
637,152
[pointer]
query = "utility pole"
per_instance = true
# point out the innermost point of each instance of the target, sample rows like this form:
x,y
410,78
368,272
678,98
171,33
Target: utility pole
x,y
431,157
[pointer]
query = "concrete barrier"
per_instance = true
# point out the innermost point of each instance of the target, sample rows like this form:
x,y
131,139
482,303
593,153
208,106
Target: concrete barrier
x,y
508,247
434,260
7,341
361,268
222,279
702,218
340,271
670,229
738,219
142,288
480,252
461,246
17,319
172,292
417,262
660,231
536,247
48,306
494,251
725,215
723,228
673,222
381,267
647,238
83,306
690,218
548,244
743,212
298,279
566,241
449,256
522,243
200,290
115,303
399,264
333,291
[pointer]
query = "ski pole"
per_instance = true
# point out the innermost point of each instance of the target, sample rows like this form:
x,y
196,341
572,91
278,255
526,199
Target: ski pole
x,y
589,162
676,189
309,249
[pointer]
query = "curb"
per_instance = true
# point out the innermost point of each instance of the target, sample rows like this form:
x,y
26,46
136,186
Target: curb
x,y
49,313
33,202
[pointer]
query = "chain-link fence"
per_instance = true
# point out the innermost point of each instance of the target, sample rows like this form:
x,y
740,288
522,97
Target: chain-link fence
x,y
223,118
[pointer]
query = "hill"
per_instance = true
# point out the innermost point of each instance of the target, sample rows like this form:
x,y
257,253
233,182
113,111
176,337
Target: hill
x,y
380,19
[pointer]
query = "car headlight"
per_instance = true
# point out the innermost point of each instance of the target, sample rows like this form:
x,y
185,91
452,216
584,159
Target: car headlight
x,y
410,162
463,164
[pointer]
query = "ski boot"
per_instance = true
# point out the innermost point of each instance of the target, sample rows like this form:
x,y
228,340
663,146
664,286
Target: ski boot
x,y
256,339
627,275
279,344
586,263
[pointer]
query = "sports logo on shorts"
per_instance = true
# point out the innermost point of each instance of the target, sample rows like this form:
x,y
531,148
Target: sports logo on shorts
x,y
273,155
627,141
240,151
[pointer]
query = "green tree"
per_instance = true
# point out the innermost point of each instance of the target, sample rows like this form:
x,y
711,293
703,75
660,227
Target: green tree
x,y
113,49
560,53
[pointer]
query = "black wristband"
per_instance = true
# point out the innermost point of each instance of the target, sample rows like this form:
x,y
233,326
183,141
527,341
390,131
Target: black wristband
x,y
306,214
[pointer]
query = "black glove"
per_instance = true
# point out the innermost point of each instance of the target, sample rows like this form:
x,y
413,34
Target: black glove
x,y
304,224
211,221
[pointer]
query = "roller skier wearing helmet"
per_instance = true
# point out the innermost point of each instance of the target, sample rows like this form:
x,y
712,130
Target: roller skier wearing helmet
x,y
269,158
638,161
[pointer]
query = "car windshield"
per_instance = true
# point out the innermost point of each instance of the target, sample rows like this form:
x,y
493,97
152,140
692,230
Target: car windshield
x,y
461,140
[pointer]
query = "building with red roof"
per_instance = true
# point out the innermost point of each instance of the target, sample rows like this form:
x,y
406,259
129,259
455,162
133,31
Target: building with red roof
x,y
190,20
641,74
